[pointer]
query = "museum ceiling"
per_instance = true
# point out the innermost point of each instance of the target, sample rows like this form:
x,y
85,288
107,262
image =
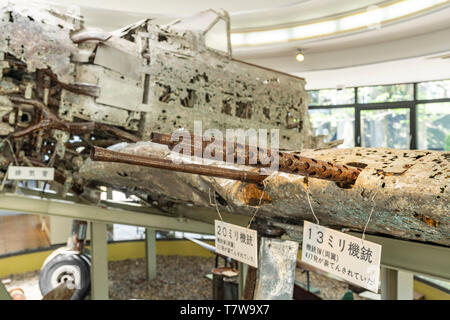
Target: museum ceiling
x,y
349,37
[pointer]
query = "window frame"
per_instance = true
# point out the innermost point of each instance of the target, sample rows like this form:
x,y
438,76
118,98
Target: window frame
x,y
410,104
216,21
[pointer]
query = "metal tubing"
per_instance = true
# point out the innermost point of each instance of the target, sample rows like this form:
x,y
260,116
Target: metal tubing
x,y
101,154
49,121
90,35
118,132
288,162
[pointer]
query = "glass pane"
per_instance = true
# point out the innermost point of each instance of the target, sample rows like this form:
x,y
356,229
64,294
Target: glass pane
x,y
328,97
385,128
433,126
217,36
433,90
396,92
334,124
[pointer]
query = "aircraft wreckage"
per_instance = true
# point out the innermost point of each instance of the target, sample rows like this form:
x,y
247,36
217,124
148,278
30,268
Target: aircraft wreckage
x,y
68,91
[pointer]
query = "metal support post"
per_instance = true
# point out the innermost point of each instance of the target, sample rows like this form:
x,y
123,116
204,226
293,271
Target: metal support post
x,y
405,285
150,253
242,276
4,295
388,284
396,284
99,260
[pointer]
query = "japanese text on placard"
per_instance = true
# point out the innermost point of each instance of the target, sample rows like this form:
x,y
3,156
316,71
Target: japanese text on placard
x,y
236,242
353,259
30,173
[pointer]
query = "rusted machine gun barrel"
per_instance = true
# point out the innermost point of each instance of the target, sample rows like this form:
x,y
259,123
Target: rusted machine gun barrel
x,y
289,163
101,154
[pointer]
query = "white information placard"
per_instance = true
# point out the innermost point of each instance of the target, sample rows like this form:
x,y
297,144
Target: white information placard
x,y
350,258
30,173
236,242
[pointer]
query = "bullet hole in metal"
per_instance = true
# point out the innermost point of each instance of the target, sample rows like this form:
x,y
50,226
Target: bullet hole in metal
x,y
266,112
162,37
357,164
418,156
343,185
226,107
435,175
167,90
190,100
220,199
244,110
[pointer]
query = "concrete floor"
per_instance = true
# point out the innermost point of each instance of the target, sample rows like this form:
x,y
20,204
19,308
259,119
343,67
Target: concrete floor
x,y
178,277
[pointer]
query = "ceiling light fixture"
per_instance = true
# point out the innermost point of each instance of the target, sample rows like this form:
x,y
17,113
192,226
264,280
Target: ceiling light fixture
x,y
300,57
364,19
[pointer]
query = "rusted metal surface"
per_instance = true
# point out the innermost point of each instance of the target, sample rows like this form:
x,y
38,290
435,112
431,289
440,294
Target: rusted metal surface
x,y
407,186
251,155
39,38
65,87
167,77
49,120
100,154
250,282
225,286
412,198
117,132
